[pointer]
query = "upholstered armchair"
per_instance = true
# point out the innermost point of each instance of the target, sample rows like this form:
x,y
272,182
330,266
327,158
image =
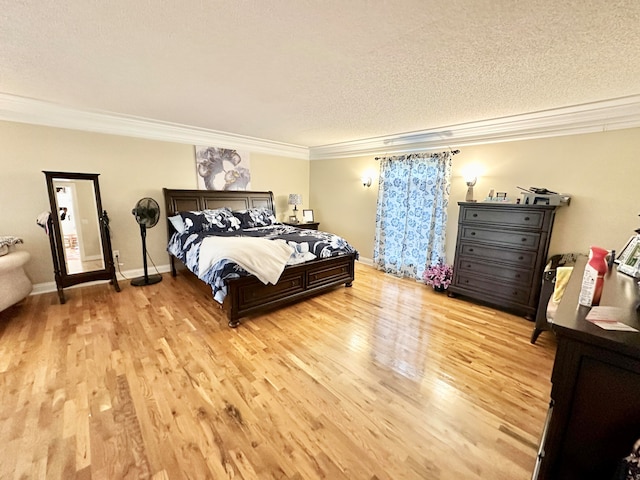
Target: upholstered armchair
x,y
14,283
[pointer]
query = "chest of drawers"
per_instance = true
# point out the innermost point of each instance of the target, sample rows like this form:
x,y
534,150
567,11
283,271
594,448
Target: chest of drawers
x,y
501,251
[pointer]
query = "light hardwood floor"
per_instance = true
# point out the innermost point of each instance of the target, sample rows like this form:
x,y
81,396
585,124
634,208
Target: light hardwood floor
x,y
384,380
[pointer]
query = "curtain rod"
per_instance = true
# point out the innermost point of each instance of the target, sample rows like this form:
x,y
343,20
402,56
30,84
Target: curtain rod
x,y
452,152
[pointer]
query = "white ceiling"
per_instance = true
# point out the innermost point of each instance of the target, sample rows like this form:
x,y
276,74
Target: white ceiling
x,y
311,72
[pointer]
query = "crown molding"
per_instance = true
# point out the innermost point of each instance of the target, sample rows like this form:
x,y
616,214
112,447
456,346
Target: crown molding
x,y
593,117
26,110
587,118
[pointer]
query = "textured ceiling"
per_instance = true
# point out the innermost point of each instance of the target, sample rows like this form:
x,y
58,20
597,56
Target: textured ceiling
x,y
310,72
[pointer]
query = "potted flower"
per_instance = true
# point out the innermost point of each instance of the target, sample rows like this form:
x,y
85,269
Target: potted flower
x,y
438,275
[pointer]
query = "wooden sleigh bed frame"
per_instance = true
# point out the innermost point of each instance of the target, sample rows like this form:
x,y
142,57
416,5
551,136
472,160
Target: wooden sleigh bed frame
x,y
248,295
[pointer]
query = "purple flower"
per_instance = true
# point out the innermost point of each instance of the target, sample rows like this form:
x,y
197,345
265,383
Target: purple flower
x,y
438,275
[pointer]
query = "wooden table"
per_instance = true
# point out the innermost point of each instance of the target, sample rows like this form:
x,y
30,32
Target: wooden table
x,y
594,413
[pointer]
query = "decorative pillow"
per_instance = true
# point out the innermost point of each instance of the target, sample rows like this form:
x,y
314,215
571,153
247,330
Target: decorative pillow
x,y
244,218
219,220
194,222
255,217
6,241
9,240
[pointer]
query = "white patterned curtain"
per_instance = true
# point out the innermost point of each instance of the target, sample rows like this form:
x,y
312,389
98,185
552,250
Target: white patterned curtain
x,y
411,215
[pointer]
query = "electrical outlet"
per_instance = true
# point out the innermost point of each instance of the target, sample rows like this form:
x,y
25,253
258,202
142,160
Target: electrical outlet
x,y
116,258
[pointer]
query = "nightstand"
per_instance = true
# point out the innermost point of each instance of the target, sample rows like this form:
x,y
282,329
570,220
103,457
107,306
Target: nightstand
x,y
307,225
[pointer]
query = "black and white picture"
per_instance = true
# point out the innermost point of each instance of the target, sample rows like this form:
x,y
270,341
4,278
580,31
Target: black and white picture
x,y
222,169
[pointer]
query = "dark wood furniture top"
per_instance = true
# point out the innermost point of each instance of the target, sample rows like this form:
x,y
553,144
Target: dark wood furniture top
x,y
308,225
594,418
248,295
501,250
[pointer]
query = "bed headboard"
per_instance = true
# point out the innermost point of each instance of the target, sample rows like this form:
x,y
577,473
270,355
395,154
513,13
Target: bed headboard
x,y
185,200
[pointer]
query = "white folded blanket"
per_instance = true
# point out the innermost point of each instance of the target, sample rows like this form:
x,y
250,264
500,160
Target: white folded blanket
x,y
263,258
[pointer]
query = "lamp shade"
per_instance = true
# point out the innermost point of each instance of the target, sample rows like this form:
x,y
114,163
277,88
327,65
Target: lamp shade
x,y
295,199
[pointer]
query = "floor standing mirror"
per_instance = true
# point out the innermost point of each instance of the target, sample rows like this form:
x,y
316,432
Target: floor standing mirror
x,y
78,231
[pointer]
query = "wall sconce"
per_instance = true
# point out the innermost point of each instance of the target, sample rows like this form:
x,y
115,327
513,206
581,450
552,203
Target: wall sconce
x,y
470,180
366,180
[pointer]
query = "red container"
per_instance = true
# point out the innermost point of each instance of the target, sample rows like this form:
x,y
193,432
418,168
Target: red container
x,y
593,278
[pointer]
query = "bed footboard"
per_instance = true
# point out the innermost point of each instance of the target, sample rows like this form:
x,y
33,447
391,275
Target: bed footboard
x,y
248,295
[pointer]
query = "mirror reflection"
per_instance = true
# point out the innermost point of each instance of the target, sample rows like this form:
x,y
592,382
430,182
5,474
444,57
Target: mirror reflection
x,y
79,225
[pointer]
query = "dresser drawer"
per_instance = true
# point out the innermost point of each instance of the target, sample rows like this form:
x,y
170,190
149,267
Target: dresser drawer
x,y
288,284
520,258
519,276
524,240
327,274
490,290
514,217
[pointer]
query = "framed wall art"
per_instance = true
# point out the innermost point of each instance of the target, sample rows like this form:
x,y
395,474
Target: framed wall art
x,y
222,169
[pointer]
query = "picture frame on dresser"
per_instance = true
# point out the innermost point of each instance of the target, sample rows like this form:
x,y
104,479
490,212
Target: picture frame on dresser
x,y
307,216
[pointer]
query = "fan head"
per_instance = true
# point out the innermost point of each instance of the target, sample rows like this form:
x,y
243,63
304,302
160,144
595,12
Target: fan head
x,y
147,212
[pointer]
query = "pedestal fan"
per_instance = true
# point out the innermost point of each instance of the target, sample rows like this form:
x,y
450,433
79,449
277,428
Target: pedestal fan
x,y
147,213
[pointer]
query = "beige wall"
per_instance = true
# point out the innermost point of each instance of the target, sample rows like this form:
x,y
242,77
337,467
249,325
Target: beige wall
x,y
129,168
341,204
601,171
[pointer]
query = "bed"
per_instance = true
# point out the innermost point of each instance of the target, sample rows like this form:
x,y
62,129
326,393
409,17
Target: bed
x,y
246,295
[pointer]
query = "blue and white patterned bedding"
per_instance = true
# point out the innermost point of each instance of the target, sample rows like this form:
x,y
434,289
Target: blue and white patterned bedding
x,y
308,245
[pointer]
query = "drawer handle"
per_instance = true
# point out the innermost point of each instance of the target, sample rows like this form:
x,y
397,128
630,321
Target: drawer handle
x,y
526,219
475,215
515,293
466,281
520,257
524,239
473,234
468,265
471,249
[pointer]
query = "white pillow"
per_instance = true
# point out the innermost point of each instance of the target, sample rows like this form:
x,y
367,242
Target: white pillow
x,y
178,223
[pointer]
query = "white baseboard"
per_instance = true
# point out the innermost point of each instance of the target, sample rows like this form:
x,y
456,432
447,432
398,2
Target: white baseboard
x,y
48,287
366,261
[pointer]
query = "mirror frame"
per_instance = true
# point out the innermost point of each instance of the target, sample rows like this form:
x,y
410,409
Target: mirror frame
x,y
62,277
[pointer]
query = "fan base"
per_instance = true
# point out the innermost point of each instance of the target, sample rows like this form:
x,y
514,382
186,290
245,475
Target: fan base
x,y
151,279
